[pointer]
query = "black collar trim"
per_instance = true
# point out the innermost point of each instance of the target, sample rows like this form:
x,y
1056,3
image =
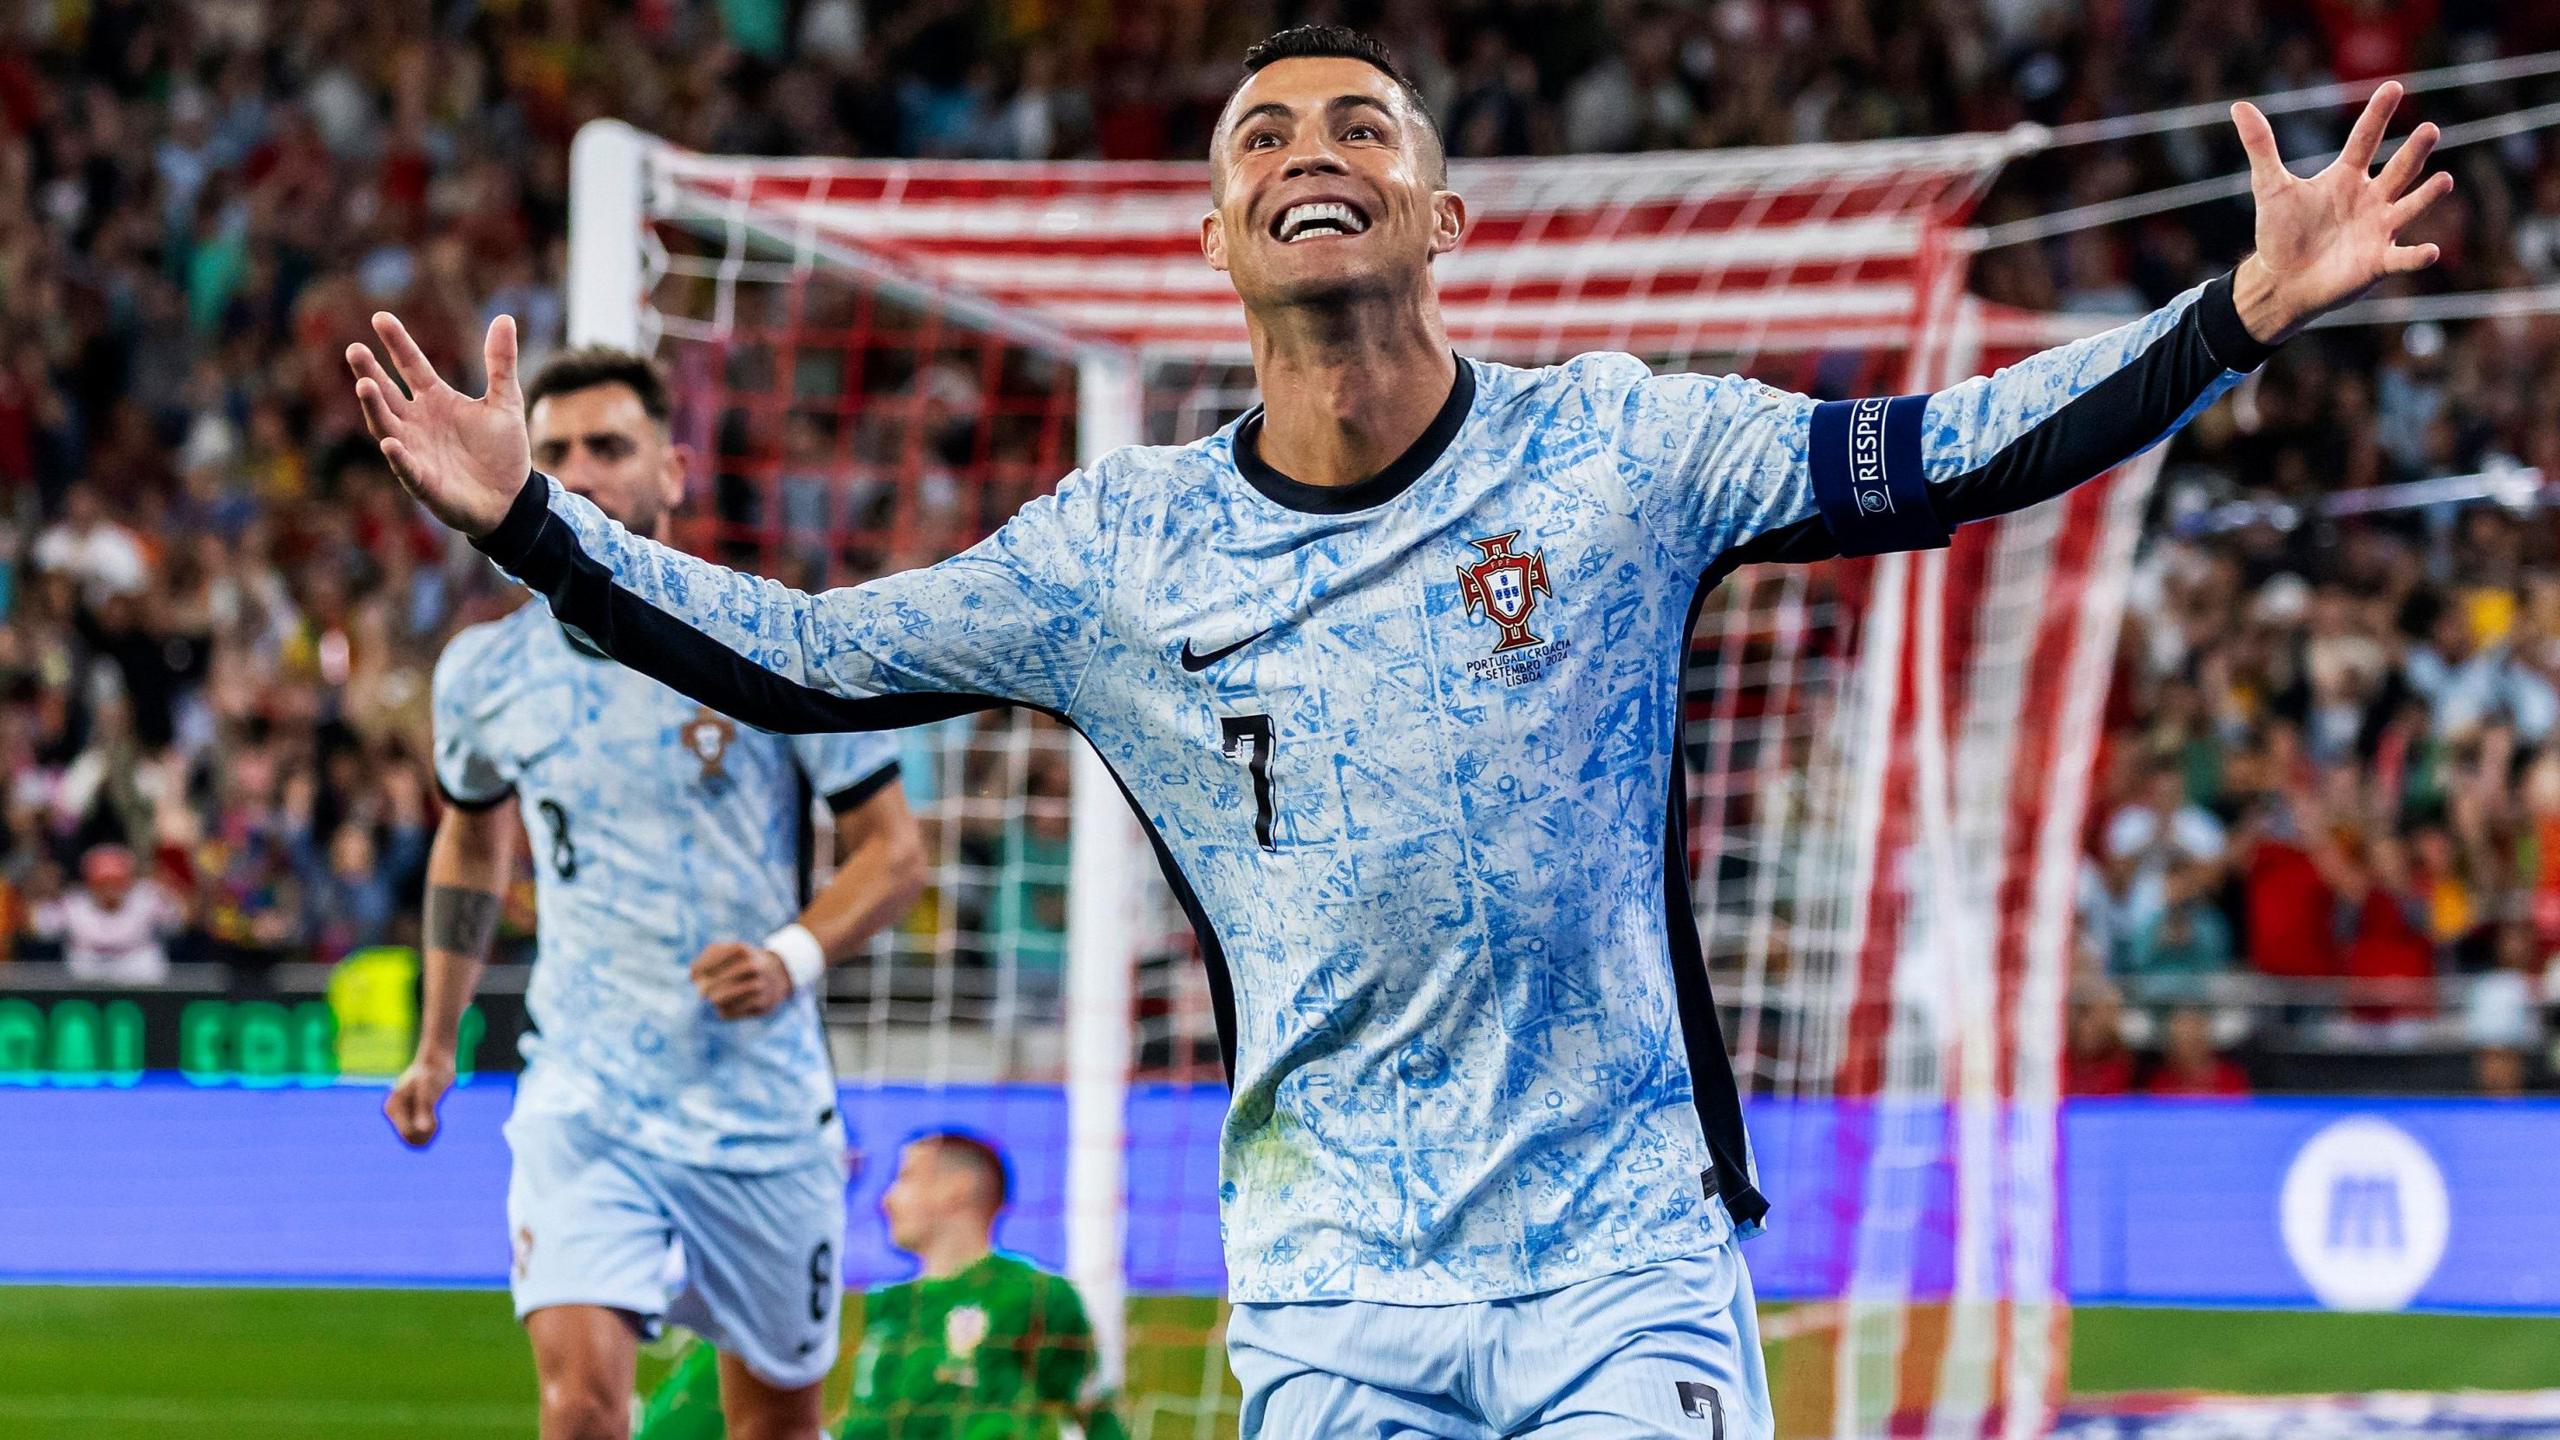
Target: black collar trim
x,y
1378,489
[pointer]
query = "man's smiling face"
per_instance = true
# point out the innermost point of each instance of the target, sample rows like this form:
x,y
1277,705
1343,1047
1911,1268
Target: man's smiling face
x,y
1328,184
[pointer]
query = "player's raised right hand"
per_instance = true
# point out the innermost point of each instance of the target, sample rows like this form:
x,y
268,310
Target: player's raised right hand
x,y
412,1103
464,459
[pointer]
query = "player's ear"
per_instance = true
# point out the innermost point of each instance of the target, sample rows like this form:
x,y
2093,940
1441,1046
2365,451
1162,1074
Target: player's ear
x,y
671,484
1448,221
1213,242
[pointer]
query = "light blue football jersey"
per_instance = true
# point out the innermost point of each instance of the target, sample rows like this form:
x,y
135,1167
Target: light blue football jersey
x,y
1407,750
657,826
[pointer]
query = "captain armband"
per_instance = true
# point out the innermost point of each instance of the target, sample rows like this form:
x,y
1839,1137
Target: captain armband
x,y
1867,481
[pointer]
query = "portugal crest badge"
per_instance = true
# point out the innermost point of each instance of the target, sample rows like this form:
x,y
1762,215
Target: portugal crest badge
x,y
708,735
1506,587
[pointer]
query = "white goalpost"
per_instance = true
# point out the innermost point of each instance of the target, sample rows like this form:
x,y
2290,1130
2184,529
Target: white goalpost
x,y
1887,760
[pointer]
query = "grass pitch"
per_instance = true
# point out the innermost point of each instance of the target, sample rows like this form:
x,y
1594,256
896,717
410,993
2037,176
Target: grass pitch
x,y
82,1363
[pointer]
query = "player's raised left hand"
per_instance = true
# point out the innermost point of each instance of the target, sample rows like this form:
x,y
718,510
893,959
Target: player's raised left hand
x,y
740,980
2324,240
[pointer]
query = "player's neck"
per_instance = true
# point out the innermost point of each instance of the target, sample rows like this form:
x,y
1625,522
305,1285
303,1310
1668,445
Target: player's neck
x,y
1345,391
943,1258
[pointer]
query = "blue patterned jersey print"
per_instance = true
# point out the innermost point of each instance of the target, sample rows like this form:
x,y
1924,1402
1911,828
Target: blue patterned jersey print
x,y
657,826
1408,751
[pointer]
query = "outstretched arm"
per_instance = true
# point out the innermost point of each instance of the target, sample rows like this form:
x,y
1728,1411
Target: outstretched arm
x,y
1780,477
2322,241
1012,619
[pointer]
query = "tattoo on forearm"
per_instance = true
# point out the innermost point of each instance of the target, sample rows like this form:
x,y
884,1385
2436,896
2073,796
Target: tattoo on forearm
x,y
461,919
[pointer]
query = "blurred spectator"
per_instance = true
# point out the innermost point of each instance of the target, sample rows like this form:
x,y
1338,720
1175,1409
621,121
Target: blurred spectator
x,y
2504,1013
112,928
2472,680
2501,1071
352,886
2189,1064
2151,910
2180,950
2288,909
2094,1058
100,556
2116,908
2382,917
2372,38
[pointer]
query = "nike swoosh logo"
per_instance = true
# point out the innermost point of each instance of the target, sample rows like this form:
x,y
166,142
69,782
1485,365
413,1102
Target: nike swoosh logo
x,y
1195,662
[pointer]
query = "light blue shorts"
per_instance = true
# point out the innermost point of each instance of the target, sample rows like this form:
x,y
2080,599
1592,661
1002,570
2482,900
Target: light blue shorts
x,y
1665,1352
749,1261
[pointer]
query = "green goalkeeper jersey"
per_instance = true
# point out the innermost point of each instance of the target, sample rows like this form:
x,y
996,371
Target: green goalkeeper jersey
x,y
1000,1351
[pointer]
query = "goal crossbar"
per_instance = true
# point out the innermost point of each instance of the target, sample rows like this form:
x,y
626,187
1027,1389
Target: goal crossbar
x,y
1738,250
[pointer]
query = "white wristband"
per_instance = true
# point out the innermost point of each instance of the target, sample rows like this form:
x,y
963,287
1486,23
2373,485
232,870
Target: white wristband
x,y
803,959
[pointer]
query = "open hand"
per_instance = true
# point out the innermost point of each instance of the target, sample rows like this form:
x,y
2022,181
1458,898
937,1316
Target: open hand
x,y
740,980
2323,241
464,459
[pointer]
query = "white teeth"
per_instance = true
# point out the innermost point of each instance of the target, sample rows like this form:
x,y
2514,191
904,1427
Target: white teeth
x,y
1320,218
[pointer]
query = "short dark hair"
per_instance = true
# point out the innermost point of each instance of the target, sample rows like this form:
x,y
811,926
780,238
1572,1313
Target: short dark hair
x,y
1340,42
994,1175
589,366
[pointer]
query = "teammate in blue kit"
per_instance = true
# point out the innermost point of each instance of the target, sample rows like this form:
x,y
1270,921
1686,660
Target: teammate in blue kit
x,y
1390,667
677,1150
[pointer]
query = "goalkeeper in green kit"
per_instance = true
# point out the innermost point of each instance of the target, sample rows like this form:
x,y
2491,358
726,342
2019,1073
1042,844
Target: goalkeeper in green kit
x,y
981,1346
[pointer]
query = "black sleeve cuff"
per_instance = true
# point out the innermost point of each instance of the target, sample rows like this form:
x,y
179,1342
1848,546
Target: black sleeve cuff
x,y
2224,335
854,796
473,807
512,541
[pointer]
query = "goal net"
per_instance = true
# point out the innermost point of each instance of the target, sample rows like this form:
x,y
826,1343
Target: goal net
x,y
877,362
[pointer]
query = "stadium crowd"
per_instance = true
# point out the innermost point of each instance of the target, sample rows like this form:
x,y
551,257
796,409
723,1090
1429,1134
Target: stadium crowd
x,y
2332,752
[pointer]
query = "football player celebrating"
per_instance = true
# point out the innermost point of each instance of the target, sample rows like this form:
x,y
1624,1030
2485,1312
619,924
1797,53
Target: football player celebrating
x,y
1391,666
